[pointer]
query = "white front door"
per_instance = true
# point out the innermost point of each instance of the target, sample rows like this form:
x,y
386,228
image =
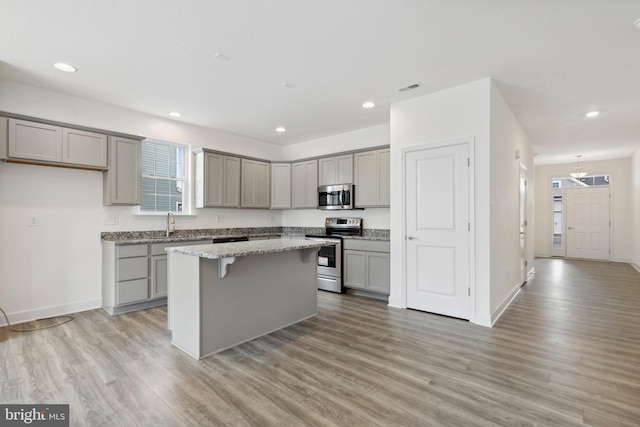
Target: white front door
x,y
437,230
588,223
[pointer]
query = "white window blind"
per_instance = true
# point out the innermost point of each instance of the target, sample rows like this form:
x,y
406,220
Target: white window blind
x,y
163,170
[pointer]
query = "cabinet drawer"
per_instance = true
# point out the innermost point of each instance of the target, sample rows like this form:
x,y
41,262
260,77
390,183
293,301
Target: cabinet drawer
x,y
128,251
132,268
366,245
132,291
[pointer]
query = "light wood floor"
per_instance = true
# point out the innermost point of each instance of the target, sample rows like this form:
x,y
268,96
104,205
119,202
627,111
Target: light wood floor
x,y
566,352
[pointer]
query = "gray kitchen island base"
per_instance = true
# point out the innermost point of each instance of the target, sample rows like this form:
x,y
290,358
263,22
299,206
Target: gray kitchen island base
x,y
256,295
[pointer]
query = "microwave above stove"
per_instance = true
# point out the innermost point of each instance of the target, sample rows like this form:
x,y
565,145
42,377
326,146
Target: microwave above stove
x,y
338,196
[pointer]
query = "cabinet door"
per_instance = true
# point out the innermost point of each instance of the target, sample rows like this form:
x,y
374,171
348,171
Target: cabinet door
x,y
377,272
4,138
366,178
311,193
35,141
123,179
344,169
384,177
280,186
213,173
159,276
298,185
84,148
248,193
231,182
263,184
355,273
327,171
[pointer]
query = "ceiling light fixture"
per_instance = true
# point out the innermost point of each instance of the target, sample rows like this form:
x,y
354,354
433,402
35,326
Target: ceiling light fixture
x,y
63,66
175,114
592,114
280,129
579,173
368,104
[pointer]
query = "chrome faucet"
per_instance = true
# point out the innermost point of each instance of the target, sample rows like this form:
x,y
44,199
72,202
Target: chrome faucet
x,y
170,220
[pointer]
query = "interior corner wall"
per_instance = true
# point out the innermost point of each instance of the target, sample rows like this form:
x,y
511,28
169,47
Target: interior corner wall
x,y
459,112
622,202
635,209
510,148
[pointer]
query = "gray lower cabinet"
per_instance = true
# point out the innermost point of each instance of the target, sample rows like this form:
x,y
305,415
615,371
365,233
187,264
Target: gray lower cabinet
x,y
134,277
366,265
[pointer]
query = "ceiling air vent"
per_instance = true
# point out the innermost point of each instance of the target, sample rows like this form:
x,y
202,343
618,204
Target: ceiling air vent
x,y
410,87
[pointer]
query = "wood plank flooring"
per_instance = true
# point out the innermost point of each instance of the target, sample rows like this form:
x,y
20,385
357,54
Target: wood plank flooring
x,y
565,353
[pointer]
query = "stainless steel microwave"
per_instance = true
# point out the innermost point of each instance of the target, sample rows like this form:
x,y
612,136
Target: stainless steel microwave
x,y
338,196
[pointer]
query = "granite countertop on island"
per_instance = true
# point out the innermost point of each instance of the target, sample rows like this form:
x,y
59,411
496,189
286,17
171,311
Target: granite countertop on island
x,y
255,247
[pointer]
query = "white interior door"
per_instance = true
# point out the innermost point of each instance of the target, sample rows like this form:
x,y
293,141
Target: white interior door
x,y
588,223
437,230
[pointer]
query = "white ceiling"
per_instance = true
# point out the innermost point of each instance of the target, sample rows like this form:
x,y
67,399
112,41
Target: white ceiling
x,y
553,60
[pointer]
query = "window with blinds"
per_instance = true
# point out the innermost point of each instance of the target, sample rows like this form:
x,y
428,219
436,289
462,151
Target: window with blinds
x,y
163,170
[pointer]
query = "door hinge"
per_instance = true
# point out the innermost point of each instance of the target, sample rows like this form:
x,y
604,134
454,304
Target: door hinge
x,y
469,292
468,226
468,162
526,263
525,223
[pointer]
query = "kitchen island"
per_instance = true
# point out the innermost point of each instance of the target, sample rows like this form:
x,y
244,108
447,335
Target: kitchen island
x,y
221,295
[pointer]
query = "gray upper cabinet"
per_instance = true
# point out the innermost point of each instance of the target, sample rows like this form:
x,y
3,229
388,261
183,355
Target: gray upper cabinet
x,y
4,138
335,170
123,180
35,141
41,142
304,183
281,186
371,170
217,180
255,184
84,148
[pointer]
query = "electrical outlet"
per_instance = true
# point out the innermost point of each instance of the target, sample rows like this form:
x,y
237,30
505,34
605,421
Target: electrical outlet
x,y
111,220
34,221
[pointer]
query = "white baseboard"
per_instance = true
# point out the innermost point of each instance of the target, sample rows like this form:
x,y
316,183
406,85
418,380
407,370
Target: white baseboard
x,y
505,303
636,266
42,313
397,302
625,260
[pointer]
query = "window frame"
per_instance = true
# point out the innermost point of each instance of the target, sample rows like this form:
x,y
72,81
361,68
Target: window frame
x,y
186,182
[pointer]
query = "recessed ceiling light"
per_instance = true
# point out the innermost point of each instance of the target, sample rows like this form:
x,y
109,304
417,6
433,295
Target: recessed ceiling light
x,y
636,23
280,129
592,114
63,66
368,104
175,114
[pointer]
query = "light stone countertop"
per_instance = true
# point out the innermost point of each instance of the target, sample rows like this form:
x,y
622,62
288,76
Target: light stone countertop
x,y
255,247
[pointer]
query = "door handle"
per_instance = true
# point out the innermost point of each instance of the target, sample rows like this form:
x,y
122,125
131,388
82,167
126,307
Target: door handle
x,y
410,237
569,228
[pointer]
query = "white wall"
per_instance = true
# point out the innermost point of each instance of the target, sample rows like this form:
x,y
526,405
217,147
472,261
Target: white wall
x,y
507,137
459,112
635,211
622,237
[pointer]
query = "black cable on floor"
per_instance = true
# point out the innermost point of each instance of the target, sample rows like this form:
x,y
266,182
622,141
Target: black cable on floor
x,y
67,318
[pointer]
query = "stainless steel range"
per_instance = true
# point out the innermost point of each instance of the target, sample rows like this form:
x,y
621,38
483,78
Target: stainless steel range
x,y
330,257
